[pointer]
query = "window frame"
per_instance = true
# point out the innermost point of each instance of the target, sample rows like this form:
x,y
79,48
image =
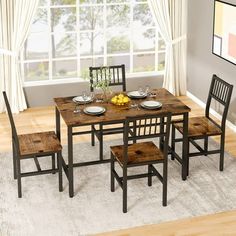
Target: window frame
x,y
51,80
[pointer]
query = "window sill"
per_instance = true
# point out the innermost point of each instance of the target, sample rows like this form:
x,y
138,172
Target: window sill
x,y
81,80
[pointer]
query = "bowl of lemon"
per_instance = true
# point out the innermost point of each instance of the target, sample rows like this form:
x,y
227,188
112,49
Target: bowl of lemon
x,y
120,100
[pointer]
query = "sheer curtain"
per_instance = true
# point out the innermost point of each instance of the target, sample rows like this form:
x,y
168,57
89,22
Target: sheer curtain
x,y
16,16
171,18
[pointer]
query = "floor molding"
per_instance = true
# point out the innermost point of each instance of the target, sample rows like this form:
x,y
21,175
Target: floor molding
x,y
229,124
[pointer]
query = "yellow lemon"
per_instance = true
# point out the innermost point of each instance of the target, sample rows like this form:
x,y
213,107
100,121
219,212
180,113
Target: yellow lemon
x,y
126,99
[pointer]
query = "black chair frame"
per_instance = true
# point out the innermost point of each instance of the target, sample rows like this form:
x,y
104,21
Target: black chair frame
x,y
221,92
141,128
117,77
17,157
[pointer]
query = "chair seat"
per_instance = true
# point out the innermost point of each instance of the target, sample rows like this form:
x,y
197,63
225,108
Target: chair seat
x,y
138,153
199,126
37,143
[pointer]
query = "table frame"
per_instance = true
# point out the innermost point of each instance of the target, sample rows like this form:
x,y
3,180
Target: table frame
x,y
68,168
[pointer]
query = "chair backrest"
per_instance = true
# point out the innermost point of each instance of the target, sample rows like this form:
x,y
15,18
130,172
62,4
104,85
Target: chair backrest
x,y
13,127
221,92
146,127
115,74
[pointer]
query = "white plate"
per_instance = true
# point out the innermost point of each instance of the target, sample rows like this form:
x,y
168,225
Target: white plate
x,y
94,110
80,99
136,94
151,104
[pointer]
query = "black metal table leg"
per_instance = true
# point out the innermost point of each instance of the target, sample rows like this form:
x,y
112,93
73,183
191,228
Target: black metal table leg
x,y
58,124
161,130
185,147
70,161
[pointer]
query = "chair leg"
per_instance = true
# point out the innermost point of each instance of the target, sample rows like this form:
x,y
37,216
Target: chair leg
x,y
19,178
149,175
124,187
205,145
164,196
54,163
112,175
92,136
172,142
59,161
222,151
14,161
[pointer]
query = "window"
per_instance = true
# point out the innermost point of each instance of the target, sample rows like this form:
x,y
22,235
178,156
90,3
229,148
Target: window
x,y
68,36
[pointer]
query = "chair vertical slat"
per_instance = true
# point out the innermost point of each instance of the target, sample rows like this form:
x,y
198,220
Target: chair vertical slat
x,y
223,93
150,127
216,88
113,74
145,126
155,131
139,127
118,75
226,94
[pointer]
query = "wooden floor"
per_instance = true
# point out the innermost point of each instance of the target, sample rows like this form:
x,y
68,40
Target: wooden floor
x,y
43,119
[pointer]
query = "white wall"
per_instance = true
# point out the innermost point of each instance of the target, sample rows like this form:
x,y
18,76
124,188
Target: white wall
x,y
43,95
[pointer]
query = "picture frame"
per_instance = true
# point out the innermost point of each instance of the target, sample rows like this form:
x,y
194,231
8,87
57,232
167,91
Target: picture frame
x,y
224,31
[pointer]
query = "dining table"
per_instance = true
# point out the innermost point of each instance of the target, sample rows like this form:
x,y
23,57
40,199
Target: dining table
x,y
114,114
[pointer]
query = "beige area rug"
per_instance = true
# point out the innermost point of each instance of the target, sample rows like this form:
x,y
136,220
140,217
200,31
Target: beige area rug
x,y
45,211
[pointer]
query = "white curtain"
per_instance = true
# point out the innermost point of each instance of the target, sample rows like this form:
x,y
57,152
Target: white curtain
x,y
171,18
16,17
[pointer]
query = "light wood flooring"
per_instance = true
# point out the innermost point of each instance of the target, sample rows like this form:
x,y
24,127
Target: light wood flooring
x,y
43,119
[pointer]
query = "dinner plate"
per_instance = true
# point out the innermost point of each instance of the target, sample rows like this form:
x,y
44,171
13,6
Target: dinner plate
x,y
151,104
136,94
80,99
94,110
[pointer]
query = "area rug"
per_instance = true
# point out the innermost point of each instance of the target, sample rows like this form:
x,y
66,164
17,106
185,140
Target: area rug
x,y
44,211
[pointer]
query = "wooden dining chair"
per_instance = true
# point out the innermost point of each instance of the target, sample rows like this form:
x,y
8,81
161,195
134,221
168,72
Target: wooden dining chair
x,y
116,76
33,145
142,153
201,128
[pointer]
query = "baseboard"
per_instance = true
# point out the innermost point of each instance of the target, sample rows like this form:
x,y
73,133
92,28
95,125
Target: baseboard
x,y
212,111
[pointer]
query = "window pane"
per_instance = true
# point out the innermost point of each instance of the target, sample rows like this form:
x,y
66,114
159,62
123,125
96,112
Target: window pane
x,y
64,69
142,16
161,61
161,45
85,63
35,47
91,43
144,40
63,19
90,1
63,2
118,16
43,3
118,42
117,1
118,60
64,45
36,71
91,18
144,62
40,23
